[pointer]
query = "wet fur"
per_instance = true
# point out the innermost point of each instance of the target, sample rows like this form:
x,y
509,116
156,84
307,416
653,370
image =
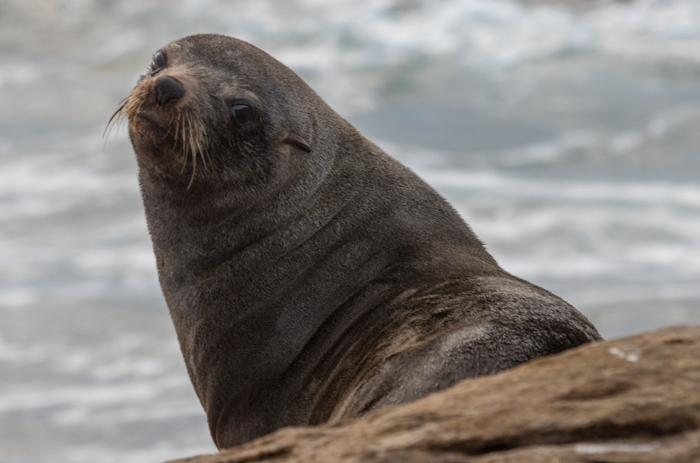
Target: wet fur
x,y
308,287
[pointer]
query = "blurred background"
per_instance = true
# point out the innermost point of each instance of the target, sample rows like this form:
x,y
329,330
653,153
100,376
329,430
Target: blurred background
x,y
565,133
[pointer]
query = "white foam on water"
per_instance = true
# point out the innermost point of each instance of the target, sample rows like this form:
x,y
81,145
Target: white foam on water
x,y
46,184
494,31
162,409
91,395
572,241
488,32
608,143
137,258
649,29
652,193
330,42
128,356
642,292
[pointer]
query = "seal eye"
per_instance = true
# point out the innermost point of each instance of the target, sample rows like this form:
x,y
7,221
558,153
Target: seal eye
x,y
242,113
158,62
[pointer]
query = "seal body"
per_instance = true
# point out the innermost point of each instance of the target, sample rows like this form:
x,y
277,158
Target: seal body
x,y
311,277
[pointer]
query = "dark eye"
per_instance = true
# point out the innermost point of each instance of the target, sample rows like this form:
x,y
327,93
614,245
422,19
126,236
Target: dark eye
x,y
158,62
242,112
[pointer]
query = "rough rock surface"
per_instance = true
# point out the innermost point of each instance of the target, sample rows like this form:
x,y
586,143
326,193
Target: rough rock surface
x,y
634,399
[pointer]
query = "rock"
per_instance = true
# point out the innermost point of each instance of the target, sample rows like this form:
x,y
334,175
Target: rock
x,y
634,399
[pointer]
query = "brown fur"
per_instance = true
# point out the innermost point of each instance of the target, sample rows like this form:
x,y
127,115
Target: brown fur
x,y
311,277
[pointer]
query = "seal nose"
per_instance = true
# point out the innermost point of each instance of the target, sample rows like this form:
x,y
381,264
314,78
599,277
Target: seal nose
x,y
168,89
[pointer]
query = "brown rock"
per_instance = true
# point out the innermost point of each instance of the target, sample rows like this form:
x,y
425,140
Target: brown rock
x,y
634,399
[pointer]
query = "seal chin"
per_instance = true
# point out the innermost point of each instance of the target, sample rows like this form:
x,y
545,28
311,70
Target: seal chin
x,y
151,131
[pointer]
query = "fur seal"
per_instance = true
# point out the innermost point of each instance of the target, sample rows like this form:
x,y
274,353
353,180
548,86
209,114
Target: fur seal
x,y
311,277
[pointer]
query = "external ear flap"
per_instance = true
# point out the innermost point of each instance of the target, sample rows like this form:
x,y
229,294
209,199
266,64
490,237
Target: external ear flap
x,y
296,140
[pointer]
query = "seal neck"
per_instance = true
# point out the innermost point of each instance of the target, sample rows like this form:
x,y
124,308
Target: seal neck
x,y
265,298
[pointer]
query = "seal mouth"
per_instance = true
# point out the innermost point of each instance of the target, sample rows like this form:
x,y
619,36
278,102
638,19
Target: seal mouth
x,y
184,124
144,118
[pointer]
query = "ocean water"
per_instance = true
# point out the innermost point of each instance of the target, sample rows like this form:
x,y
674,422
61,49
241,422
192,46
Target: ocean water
x,y
568,140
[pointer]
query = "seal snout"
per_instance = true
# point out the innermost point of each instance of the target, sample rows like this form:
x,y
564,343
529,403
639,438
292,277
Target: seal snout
x,y
168,89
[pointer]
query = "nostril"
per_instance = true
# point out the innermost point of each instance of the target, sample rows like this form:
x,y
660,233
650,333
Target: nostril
x,y
168,89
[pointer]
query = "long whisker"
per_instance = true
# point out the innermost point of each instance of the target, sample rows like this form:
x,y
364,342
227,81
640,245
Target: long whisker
x,y
193,152
185,143
200,142
116,119
116,114
177,130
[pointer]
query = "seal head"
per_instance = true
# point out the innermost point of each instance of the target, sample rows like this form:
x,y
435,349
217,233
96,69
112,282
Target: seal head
x,y
311,277
197,105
